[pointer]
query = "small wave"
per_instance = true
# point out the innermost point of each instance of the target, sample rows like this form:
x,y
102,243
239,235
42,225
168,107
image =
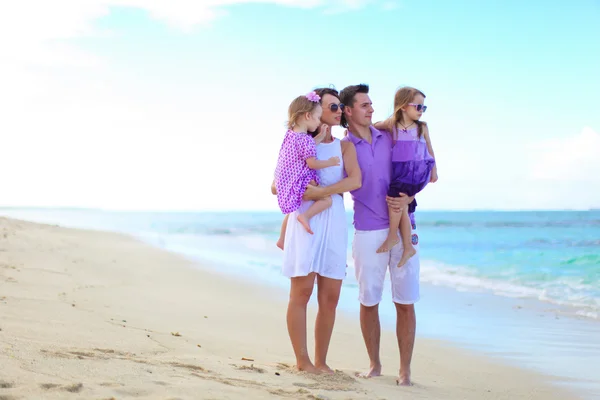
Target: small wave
x,y
583,297
564,242
509,224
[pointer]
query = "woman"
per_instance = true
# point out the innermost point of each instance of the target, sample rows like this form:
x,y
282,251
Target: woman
x,y
320,257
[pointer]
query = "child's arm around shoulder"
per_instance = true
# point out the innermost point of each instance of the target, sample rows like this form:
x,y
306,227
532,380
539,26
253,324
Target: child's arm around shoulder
x,y
434,174
386,125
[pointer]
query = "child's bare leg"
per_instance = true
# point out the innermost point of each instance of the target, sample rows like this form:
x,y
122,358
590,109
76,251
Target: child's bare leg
x,y
315,208
406,234
282,233
392,238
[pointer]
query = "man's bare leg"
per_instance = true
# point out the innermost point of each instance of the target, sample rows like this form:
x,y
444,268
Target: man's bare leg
x,y
328,296
371,330
282,232
300,291
405,331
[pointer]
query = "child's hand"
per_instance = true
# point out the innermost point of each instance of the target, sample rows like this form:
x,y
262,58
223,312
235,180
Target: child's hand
x,y
322,133
334,161
434,175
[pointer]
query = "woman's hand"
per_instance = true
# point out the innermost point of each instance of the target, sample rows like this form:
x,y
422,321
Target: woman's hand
x,y
314,193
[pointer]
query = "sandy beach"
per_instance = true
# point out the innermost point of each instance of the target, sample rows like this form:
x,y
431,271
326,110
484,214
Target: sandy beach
x,y
94,315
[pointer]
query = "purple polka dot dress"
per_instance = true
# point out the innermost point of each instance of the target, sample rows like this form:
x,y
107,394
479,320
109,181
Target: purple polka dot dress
x,y
292,174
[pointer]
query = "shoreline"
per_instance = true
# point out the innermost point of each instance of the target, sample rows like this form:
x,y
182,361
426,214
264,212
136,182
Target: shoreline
x,y
99,314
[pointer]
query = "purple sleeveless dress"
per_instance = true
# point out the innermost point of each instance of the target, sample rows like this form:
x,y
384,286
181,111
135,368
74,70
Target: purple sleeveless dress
x,y
411,165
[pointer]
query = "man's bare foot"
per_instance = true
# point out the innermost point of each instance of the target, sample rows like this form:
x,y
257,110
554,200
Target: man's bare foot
x,y
280,243
309,368
374,371
388,244
404,379
406,255
304,222
325,369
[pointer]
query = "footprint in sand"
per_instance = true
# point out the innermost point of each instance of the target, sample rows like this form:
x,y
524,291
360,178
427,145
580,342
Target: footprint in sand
x,y
251,368
74,388
6,385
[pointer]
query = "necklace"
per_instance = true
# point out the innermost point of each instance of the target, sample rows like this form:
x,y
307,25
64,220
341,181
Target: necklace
x,y
405,128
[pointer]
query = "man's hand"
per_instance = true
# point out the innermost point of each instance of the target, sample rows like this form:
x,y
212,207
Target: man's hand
x,y
398,204
313,193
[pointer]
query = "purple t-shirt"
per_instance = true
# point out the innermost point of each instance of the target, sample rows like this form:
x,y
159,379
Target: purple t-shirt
x,y
375,162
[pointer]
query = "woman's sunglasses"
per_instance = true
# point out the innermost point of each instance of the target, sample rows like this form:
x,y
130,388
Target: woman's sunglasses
x,y
334,107
419,107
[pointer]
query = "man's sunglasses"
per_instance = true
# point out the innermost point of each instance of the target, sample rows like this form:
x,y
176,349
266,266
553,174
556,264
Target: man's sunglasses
x,y
419,107
334,107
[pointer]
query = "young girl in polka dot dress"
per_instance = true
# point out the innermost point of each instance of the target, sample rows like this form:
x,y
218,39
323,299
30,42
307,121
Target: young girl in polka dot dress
x,y
297,162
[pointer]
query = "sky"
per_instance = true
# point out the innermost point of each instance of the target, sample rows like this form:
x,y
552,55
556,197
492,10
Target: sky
x,y
181,104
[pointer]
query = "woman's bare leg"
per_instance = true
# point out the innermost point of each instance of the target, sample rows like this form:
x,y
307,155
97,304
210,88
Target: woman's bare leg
x,y
328,296
300,291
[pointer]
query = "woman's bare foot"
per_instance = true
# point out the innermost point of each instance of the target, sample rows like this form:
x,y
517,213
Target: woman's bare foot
x,y
374,371
304,222
404,379
325,369
280,243
406,255
390,242
310,368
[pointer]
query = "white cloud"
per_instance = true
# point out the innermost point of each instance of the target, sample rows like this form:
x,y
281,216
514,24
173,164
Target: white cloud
x,y
574,158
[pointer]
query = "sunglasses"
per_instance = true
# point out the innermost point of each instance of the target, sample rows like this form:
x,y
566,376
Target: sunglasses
x,y
334,107
419,107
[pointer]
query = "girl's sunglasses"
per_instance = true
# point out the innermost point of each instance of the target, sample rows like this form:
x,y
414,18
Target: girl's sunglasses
x,y
419,107
334,107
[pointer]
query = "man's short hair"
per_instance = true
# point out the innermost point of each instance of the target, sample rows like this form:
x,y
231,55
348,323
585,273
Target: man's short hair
x,y
347,97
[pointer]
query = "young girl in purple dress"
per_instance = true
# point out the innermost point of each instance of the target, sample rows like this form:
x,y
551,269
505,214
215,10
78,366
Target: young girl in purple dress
x,y
297,162
413,163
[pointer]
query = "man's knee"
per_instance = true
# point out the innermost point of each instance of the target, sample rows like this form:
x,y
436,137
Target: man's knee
x,y
405,310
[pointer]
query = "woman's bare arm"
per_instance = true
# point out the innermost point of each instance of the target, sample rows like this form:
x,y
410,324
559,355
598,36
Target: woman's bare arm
x,y
352,181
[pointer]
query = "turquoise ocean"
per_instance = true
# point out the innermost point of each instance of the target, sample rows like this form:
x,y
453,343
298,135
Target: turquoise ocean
x,y
524,286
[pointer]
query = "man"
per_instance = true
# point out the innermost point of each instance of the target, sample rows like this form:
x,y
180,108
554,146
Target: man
x,y
373,149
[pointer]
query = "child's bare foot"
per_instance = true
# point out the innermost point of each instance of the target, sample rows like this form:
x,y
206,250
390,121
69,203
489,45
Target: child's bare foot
x,y
406,255
280,243
390,242
304,222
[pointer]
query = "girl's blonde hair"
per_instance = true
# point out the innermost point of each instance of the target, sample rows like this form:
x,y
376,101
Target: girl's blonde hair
x,y
300,106
403,96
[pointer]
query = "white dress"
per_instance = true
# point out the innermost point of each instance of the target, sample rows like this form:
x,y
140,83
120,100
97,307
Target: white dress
x,y
324,252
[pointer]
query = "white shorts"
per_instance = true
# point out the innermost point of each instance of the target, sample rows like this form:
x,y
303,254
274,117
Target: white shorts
x,y
370,268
